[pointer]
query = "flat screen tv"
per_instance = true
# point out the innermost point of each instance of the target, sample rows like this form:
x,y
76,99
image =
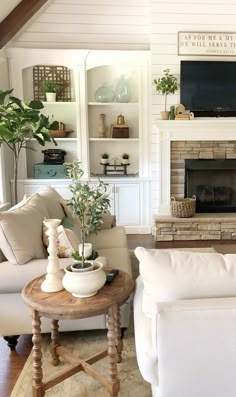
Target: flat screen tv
x,y
208,88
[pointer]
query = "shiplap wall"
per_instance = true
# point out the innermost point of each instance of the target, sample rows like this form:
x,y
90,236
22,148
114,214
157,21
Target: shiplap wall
x,y
93,24
167,19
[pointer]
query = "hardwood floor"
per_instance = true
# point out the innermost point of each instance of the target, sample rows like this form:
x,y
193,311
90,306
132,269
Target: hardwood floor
x,y
12,362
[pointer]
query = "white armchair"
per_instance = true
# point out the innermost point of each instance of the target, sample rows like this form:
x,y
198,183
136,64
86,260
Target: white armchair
x,y
186,340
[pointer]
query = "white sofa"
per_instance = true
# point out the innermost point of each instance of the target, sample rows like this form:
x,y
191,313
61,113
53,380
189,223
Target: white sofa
x,y
24,257
185,323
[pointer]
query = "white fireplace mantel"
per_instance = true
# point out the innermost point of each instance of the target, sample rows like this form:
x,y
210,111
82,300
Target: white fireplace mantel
x,y
207,129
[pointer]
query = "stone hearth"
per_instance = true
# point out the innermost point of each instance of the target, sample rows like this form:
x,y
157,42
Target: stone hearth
x,y
199,227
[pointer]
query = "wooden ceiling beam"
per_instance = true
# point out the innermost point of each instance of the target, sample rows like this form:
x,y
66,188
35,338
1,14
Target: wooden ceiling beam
x,y
17,18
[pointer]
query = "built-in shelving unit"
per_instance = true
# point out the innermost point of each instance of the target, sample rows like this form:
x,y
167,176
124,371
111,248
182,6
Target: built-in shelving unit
x,y
89,69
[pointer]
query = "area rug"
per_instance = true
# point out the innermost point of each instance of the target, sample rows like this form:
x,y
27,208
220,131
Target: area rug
x,y
86,343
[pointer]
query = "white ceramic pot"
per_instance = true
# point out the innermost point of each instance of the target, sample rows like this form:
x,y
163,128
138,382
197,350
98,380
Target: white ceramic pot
x,y
51,96
84,284
125,161
104,161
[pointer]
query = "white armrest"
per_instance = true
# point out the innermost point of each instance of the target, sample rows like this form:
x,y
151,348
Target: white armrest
x,y
196,341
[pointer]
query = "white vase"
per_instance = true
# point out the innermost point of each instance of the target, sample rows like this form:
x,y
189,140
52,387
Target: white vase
x,y
51,96
53,279
84,284
125,161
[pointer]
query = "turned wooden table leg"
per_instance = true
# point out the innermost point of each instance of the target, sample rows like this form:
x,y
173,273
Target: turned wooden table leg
x,y
114,383
54,342
37,388
119,341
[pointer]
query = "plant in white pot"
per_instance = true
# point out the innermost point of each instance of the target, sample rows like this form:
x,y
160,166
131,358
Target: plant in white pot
x,y
104,158
87,204
51,89
125,158
166,85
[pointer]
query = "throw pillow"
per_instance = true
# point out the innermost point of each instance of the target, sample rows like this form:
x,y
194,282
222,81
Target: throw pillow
x,y
67,241
52,200
174,275
21,231
68,223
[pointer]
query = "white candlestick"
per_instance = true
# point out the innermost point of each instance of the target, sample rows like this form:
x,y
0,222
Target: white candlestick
x,y
53,280
87,249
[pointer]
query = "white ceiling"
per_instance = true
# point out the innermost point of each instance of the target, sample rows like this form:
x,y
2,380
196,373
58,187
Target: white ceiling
x,y
6,6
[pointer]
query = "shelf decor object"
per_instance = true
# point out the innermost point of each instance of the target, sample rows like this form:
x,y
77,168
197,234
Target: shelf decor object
x,y
53,280
120,129
122,90
61,75
101,126
104,93
115,169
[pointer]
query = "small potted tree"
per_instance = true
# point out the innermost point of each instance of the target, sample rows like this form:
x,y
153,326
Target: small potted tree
x,y
51,89
104,158
125,158
87,204
166,85
19,123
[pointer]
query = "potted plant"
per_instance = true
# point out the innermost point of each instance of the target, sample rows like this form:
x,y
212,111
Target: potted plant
x,y
125,158
104,158
19,123
166,85
51,89
87,204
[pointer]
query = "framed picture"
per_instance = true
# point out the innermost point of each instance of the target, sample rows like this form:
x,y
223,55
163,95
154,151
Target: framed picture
x,y
207,43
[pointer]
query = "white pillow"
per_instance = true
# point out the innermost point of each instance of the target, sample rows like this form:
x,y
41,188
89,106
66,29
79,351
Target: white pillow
x,y
21,231
174,275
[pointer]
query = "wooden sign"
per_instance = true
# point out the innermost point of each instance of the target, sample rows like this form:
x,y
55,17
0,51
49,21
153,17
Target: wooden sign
x,y
207,43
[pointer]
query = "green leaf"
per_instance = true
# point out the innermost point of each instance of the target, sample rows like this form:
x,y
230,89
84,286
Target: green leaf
x,y
35,104
3,95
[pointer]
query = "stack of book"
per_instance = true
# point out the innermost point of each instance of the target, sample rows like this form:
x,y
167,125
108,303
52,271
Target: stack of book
x,y
182,116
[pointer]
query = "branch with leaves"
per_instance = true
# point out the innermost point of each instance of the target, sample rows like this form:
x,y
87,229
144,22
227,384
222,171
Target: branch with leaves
x,y
166,84
88,202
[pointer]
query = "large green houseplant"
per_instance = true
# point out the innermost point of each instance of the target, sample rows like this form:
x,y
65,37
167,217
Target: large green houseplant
x,y
19,123
166,85
87,203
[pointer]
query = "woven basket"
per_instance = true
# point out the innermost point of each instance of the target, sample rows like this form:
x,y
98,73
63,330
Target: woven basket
x,y
185,208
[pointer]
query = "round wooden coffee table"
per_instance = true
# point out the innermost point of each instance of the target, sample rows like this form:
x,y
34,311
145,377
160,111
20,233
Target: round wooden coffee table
x,y
63,306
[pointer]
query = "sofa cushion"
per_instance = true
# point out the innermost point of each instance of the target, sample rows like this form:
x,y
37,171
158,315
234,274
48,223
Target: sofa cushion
x,y
174,275
52,200
2,257
21,231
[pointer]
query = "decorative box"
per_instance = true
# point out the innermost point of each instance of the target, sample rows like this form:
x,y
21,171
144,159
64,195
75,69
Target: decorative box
x,y
49,171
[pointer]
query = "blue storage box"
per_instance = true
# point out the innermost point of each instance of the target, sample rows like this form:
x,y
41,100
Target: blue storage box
x,y
49,171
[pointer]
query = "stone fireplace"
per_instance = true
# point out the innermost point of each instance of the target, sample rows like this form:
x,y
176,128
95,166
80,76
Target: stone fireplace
x,y
183,145
206,170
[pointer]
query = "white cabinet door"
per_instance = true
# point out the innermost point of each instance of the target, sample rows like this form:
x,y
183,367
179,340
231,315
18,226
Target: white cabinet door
x,y
127,204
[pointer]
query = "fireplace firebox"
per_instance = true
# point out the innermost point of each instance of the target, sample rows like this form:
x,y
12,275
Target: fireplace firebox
x,y
213,182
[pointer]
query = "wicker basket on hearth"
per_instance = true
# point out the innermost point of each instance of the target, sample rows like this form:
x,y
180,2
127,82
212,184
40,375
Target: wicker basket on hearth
x,y
184,208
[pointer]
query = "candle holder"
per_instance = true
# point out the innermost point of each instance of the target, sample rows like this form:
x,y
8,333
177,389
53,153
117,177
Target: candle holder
x,y
53,280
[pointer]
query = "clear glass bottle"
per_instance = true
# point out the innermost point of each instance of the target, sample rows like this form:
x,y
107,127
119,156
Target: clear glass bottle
x,y
122,90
